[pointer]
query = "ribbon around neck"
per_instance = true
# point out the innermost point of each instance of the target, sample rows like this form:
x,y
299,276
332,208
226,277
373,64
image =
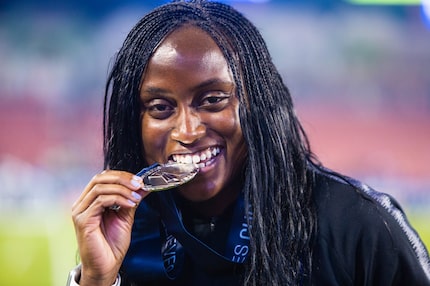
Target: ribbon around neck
x,y
178,238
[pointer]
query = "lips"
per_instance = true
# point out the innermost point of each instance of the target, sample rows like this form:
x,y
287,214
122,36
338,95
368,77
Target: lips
x,y
201,158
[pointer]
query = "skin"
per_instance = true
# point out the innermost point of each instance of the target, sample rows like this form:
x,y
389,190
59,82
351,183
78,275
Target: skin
x,y
189,106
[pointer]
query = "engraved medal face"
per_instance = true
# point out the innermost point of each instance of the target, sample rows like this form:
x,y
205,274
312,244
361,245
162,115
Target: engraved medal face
x,y
167,176
163,177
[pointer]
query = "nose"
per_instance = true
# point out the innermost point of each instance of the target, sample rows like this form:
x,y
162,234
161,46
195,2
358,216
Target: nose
x,y
188,128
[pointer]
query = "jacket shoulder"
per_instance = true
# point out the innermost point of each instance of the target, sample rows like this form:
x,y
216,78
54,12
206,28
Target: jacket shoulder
x,y
364,235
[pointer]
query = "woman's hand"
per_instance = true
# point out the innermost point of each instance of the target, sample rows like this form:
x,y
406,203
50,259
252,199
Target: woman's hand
x,y
104,234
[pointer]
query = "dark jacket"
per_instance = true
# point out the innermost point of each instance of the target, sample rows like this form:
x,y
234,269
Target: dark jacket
x,y
362,238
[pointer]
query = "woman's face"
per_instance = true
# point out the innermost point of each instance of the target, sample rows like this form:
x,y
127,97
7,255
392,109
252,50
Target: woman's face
x,y
190,112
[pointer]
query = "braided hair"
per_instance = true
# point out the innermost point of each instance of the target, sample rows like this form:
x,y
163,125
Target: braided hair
x,y
277,186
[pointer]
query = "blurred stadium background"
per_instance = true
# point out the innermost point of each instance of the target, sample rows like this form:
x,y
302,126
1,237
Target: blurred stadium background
x,y
359,73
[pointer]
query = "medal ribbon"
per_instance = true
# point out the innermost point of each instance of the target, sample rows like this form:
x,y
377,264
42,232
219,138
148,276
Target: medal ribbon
x,y
176,240
205,256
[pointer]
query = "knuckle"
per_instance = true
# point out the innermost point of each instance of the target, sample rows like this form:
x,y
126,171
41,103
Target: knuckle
x,y
99,199
96,177
97,189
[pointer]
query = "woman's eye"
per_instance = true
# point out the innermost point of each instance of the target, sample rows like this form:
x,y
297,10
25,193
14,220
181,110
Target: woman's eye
x,y
159,110
214,102
213,99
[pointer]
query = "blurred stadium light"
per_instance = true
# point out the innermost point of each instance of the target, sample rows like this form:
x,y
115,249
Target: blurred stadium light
x,y
426,11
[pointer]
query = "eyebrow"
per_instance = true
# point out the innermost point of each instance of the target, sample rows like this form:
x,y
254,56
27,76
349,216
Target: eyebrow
x,y
213,81
154,90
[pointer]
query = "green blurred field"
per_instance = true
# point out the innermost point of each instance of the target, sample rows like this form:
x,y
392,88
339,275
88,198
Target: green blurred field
x,y
36,249
40,249
420,220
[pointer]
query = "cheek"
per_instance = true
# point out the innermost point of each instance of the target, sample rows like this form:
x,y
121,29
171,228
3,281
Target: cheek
x,y
224,122
153,140
228,124
236,140
236,149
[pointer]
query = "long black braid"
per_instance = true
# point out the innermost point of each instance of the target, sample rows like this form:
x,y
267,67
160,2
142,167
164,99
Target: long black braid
x,y
277,188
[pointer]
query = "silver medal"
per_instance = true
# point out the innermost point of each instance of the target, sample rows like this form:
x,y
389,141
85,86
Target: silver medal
x,y
167,176
163,177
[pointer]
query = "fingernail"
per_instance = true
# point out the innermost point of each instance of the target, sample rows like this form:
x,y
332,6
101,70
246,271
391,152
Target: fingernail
x,y
136,196
136,181
131,203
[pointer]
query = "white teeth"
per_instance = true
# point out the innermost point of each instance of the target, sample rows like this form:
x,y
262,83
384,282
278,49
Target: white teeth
x,y
188,159
200,159
208,154
196,159
201,165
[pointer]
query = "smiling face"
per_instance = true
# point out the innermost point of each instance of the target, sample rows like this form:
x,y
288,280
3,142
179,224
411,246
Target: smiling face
x,y
190,112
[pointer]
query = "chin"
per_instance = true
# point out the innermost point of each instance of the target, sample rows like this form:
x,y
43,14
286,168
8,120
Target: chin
x,y
196,196
198,192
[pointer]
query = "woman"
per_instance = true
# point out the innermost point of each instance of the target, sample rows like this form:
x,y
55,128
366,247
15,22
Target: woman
x,y
194,82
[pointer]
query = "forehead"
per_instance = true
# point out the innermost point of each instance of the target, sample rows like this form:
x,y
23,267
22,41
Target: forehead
x,y
188,53
187,41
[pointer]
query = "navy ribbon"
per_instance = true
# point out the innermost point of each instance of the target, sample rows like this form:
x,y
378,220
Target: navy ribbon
x,y
206,257
175,239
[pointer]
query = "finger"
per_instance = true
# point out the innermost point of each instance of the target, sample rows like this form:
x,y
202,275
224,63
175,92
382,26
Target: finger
x,y
138,197
115,177
103,202
114,192
125,179
98,206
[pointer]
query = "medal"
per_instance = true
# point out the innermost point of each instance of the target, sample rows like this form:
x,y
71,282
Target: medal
x,y
166,176
160,177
